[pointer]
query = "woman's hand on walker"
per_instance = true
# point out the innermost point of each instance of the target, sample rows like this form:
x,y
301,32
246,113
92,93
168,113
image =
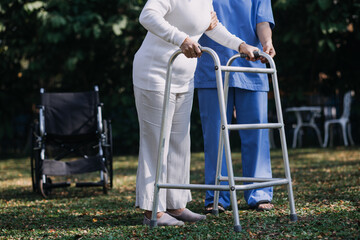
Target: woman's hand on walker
x,y
214,21
248,50
190,48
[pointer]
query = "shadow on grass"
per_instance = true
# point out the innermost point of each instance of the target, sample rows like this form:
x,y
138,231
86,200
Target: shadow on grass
x,y
26,193
41,221
44,216
81,208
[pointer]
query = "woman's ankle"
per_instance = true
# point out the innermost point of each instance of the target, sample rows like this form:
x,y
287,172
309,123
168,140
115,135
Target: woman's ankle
x,y
148,214
175,211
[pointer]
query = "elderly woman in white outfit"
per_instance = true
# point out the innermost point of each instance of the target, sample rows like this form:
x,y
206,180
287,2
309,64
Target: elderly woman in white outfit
x,y
171,24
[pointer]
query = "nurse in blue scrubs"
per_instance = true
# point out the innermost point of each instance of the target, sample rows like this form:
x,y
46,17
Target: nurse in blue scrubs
x,y
252,21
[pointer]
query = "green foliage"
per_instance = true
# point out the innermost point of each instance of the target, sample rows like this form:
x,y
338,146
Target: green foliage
x,y
72,45
317,36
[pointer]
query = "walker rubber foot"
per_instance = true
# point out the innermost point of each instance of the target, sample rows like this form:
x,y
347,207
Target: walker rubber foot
x,y
153,223
237,228
293,217
215,212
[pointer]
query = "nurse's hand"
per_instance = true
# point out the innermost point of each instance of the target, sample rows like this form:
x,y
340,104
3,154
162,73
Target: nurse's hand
x,y
190,48
248,50
214,21
269,49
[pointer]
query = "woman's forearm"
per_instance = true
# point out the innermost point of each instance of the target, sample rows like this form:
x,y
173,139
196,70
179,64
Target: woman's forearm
x,y
222,36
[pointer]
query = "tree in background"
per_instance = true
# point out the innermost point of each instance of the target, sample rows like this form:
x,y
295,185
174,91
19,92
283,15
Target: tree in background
x,y
315,38
72,45
68,46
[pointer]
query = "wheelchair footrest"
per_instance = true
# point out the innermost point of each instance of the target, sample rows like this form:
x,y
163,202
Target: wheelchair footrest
x,y
89,184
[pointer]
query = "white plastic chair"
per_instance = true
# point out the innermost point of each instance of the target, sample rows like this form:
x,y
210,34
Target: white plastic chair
x,y
343,121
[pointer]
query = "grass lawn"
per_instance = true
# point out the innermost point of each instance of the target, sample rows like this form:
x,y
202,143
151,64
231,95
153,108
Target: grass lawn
x,y
326,187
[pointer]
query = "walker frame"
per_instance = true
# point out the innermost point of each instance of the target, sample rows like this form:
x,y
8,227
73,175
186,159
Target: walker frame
x,y
224,140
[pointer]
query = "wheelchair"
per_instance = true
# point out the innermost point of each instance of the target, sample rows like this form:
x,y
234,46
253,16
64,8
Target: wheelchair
x,y
70,137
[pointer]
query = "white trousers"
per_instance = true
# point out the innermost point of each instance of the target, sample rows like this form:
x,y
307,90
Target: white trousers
x,y
176,167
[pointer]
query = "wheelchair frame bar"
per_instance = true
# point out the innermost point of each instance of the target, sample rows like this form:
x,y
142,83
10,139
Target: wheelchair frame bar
x,y
224,141
100,131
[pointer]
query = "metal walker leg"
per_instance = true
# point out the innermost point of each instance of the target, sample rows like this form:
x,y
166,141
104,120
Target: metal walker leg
x,y
224,141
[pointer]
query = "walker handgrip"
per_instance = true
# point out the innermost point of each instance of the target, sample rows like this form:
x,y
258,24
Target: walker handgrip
x,y
256,54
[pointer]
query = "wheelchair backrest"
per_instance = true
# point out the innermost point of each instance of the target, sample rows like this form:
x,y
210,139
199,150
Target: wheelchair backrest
x,y
70,114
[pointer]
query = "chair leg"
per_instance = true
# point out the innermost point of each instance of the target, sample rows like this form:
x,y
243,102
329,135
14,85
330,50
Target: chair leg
x,y
349,134
295,138
300,137
343,129
331,130
326,137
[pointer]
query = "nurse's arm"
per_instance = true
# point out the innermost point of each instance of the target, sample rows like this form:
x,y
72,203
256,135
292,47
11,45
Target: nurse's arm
x,y
222,36
264,33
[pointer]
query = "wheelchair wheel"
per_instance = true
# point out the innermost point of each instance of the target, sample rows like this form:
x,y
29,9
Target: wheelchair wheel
x,y
109,151
33,177
35,158
45,190
35,170
106,184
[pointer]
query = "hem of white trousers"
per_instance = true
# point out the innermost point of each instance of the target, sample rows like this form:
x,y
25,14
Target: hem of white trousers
x,y
147,204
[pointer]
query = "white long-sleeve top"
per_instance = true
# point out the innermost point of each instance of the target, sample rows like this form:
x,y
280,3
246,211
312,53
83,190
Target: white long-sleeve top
x,y
169,22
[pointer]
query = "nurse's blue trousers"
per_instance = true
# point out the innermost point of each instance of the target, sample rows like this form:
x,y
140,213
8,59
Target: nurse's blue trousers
x,y
251,107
